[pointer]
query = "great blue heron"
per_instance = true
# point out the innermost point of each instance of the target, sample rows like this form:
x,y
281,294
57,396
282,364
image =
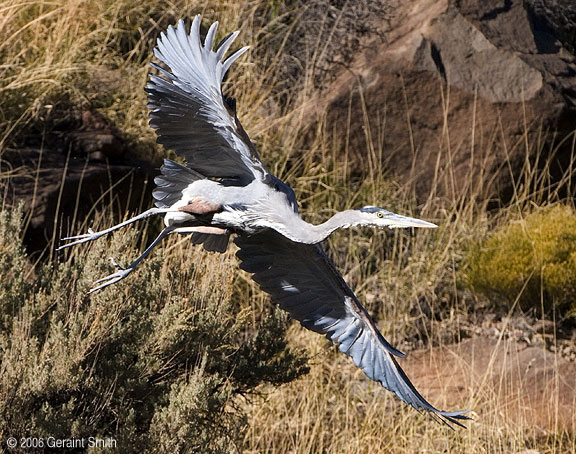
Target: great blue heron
x,y
225,189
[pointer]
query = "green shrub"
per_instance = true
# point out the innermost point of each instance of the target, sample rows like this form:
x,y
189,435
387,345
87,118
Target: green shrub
x,y
160,362
533,260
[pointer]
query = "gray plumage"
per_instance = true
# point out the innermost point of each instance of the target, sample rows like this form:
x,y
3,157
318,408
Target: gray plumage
x,y
224,189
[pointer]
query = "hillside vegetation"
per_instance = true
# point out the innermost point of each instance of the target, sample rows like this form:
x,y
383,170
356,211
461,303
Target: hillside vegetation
x,y
187,355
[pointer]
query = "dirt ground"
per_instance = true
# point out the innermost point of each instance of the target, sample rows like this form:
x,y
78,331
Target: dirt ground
x,y
533,385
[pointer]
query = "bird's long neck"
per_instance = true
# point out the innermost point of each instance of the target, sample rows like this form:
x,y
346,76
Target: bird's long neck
x,y
303,232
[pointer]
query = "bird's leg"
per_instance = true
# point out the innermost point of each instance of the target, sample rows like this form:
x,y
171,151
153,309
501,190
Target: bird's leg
x,y
204,229
123,272
91,235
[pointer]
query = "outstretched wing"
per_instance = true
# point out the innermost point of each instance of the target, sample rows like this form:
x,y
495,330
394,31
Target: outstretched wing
x,y
188,110
304,282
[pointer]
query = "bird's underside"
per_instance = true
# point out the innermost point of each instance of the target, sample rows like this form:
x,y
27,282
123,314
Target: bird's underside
x,y
223,189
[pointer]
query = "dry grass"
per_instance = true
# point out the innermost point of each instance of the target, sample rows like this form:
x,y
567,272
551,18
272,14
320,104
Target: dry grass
x,y
95,53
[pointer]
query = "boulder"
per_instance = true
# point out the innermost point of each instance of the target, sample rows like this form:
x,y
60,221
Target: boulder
x,y
63,175
458,94
58,193
503,381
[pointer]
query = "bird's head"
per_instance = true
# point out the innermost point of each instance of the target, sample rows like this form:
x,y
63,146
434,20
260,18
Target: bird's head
x,y
379,217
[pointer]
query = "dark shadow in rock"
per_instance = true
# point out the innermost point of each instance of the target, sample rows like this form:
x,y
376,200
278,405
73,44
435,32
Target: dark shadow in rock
x,y
59,192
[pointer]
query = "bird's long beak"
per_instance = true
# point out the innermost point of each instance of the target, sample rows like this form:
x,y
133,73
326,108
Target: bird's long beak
x,y
395,221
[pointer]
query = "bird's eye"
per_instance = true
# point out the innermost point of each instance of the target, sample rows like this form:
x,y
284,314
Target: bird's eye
x,y
380,214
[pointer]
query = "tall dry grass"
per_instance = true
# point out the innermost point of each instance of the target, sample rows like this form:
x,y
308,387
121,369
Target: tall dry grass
x,y
334,408
95,53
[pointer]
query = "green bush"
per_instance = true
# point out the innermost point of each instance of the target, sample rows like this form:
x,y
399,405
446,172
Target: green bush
x,y
533,260
160,362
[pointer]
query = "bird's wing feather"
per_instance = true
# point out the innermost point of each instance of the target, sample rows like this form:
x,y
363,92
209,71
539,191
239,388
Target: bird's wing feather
x,y
304,282
188,110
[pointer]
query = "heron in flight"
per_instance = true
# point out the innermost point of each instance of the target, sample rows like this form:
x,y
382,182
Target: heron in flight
x,y
225,189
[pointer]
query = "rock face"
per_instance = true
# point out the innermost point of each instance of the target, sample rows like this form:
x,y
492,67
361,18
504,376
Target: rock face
x,y
459,93
96,138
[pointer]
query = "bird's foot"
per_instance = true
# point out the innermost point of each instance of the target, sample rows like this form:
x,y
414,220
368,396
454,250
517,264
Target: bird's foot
x,y
90,236
113,278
